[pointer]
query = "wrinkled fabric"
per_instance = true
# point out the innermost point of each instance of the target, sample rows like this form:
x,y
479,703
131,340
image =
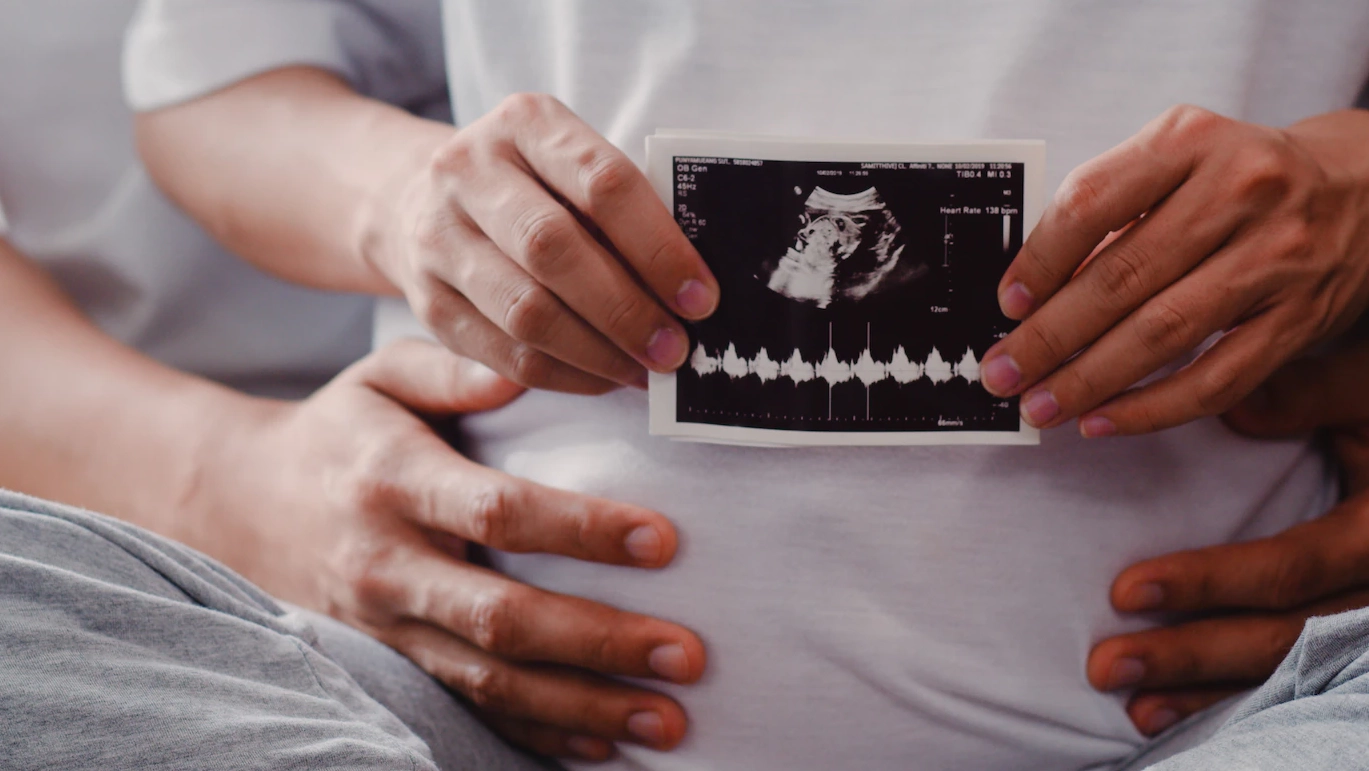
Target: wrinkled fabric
x,y
122,650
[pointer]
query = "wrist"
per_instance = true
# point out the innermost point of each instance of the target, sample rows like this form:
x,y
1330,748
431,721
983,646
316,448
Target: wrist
x,y
219,494
382,224
1339,143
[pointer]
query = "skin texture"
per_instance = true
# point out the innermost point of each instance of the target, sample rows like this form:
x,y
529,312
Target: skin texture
x,y
350,503
1251,598
1221,227
524,240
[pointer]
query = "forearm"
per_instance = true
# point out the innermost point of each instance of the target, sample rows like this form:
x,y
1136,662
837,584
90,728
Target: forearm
x,y
294,171
89,421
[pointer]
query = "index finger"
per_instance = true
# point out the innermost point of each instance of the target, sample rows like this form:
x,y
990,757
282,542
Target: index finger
x,y
607,188
518,622
446,492
1301,564
1097,198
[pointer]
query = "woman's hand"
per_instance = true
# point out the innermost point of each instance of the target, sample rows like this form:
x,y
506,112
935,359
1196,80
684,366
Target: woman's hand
x,y
350,504
1220,226
531,244
1251,598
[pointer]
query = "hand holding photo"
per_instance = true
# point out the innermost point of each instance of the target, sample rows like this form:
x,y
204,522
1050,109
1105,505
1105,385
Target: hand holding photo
x,y
858,288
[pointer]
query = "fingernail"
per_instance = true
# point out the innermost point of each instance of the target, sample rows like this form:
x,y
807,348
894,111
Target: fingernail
x,y
1161,719
1126,673
1000,375
587,748
644,544
696,300
670,662
1039,408
1096,427
1146,597
646,726
1016,301
666,348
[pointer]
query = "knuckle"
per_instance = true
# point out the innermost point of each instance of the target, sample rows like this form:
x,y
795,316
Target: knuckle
x,y
1260,172
1161,328
1122,273
1146,416
524,106
491,515
530,368
1296,578
1218,388
626,314
546,238
1187,122
1080,387
373,482
487,686
368,571
588,530
453,158
494,626
1185,664
1034,263
437,306
662,254
1044,339
434,233
606,176
608,653
530,314
1292,238
1080,199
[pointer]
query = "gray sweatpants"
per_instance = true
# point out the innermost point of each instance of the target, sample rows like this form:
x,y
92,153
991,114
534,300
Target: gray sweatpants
x,y
123,650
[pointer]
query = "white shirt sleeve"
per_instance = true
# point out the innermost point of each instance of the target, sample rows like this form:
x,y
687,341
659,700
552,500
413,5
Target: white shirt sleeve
x,y
177,50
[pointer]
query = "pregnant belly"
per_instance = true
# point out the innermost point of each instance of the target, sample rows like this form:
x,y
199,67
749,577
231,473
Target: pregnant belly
x,y
894,607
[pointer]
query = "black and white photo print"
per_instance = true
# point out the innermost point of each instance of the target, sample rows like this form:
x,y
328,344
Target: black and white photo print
x,y
858,288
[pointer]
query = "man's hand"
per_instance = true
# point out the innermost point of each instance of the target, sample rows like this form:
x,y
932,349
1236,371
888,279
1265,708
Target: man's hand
x,y
1220,226
349,503
524,240
533,245
1252,597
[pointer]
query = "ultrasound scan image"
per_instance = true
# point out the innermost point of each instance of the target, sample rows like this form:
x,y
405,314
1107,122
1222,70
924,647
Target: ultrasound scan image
x,y
856,297
848,247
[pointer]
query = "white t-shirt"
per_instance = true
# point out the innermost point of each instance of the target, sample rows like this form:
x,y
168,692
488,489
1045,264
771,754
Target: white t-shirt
x,y
878,608
78,203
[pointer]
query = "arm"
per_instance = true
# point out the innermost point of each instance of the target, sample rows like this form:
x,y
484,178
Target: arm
x,y
91,422
348,503
294,171
524,240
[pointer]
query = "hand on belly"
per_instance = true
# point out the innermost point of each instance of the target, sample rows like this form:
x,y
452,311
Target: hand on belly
x,y
1263,590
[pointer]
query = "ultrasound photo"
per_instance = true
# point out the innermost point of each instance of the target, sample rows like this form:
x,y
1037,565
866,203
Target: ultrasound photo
x,y
858,288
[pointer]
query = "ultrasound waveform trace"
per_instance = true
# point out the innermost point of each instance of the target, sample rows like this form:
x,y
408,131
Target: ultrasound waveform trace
x,y
834,370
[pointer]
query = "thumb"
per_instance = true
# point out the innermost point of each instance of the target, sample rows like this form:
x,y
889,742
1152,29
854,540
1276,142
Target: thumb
x,y
427,378
1307,394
